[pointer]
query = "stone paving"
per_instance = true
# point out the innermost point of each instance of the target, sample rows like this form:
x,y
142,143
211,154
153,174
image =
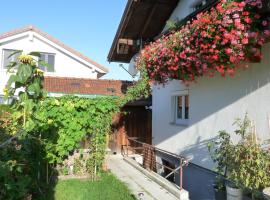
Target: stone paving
x,y
140,185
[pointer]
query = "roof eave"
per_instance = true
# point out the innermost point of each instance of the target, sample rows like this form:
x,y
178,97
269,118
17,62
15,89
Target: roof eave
x,y
120,28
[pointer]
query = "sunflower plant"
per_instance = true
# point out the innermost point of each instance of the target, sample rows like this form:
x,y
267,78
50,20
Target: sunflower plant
x,y
26,86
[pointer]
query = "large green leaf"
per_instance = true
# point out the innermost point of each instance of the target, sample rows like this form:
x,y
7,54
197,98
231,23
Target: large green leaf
x,y
34,88
24,72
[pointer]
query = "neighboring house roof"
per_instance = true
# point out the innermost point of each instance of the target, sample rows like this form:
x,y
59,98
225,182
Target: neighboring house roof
x,y
85,86
54,40
141,20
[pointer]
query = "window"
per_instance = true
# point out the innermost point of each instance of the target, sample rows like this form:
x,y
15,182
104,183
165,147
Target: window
x,y
3,100
49,59
199,4
6,57
180,107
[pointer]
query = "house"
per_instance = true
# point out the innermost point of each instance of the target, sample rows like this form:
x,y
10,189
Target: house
x,y
63,60
185,118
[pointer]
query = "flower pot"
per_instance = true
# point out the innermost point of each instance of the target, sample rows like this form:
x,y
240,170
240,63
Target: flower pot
x,y
266,193
234,193
220,194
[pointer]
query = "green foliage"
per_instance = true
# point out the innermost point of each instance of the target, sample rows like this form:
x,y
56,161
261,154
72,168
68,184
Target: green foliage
x,y
140,90
5,112
21,160
27,81
79,166
19,171
246,163
50,129
65,121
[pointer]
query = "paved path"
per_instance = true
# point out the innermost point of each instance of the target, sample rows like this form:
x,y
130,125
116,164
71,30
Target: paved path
x,y
137,182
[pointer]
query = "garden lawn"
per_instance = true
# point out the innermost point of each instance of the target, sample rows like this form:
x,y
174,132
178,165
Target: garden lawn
x,y
108,188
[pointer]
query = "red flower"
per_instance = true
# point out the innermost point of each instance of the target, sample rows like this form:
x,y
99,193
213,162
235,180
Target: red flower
x,y
245,41
228,50
248,20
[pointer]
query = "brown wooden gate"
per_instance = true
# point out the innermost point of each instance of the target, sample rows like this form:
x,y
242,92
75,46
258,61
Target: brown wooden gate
x,y
134,121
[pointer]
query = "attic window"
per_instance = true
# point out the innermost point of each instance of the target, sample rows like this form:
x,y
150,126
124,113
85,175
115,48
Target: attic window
x,y
7,58
49,58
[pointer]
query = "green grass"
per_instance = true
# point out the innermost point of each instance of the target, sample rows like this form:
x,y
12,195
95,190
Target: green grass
x,y
108,188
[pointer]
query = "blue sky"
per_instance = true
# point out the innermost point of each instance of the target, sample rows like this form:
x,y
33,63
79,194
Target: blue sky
x,y
88,26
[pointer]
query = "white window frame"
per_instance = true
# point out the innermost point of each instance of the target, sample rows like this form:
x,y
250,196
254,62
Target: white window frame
x,y
4,68
47,59
174,97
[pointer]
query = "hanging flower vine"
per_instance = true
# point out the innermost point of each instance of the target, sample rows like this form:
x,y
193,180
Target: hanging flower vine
x,y
220,40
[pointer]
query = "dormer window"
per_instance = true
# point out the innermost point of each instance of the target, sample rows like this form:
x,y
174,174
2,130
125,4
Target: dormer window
x,y
49,58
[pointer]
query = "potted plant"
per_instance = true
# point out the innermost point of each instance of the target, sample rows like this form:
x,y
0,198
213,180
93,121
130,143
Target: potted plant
x,y
220,149
246,164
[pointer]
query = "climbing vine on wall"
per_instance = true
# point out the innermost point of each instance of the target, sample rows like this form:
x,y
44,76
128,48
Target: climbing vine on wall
x,y
65,121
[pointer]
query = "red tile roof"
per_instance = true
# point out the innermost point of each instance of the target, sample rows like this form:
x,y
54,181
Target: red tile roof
x,y
85,86
52,39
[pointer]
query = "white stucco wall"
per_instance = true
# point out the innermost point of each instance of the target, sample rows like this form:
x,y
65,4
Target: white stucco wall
x,y
215,103
65,65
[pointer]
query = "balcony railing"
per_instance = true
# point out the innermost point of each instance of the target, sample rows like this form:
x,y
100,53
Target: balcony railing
x,y
149,162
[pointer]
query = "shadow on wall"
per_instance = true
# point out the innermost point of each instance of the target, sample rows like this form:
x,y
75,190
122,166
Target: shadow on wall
x,y
199,150
198,181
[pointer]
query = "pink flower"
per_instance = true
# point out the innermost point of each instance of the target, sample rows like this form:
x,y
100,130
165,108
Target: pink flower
x,y
242,4
267,32
248,20
245,41
264,23
228,50
232,59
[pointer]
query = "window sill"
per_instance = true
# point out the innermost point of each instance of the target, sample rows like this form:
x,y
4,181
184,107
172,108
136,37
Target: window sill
x,y
183,124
